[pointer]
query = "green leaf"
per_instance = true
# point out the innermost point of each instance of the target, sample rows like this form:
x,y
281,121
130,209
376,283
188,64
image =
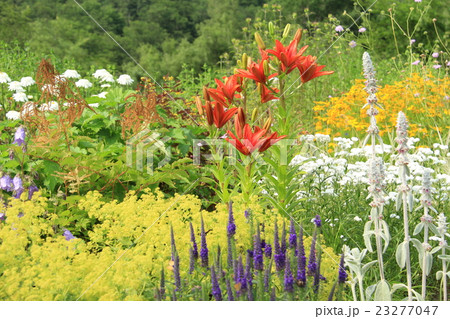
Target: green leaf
x,y
400,254
418,229
383,292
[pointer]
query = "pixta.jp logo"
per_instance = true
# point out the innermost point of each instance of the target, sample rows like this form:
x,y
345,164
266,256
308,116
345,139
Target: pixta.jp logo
x,y
145,148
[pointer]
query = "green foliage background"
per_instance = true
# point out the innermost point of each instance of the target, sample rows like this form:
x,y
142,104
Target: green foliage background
x,y
164,35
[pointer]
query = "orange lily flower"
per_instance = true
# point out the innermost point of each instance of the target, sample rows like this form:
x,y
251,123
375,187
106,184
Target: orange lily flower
x,y
289,56
225,92
266,94
220,116
258,140
309,69
255,71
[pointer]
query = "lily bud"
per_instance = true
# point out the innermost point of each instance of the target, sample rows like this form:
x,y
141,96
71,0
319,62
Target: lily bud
x,y
241,116
287,28
254,114
244,60
206,94
259,41
267,124
266,67
249,61
271,29
198,102
209,113
298,35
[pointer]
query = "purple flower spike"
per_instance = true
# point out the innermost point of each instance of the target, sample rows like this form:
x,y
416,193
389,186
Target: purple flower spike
x,y
288,278
204,248
229,253
268,251
6,183
31,190
240,277
172,243
231,228
342,273
318,221
257,252
267,273
194,243
247,214
229,291
176,272
312,264
292,235
191,260
280,257
216,292
68,235
273,295
301,260
19,136
283,239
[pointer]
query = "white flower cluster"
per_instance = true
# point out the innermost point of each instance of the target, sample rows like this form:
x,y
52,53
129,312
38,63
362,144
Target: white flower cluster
x,y
347,167
4,78
103,76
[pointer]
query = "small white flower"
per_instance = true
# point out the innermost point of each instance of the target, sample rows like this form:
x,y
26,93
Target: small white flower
x,y
15,86
71,74
27,81
13,115
4,78
20,97
94,104
105,85
125,79
83,83
357,218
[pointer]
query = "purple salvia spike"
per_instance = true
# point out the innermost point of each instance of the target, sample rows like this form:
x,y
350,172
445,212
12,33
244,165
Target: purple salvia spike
x,y
283,239
267,276
301,260
204,247
342,273
268,251
280,257
312,265
292,235
288,278
241,279
176,272
257,252
229,291
172,243
231,227
229,254
216,292
194,242
191,261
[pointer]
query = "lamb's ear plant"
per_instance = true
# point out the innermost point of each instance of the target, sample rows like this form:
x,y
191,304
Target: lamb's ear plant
x,y
404,198
376,226
353,259
424,249
444,273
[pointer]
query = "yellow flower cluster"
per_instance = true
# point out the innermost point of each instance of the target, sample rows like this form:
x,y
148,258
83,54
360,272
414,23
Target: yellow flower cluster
x,y
423,99
122,257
